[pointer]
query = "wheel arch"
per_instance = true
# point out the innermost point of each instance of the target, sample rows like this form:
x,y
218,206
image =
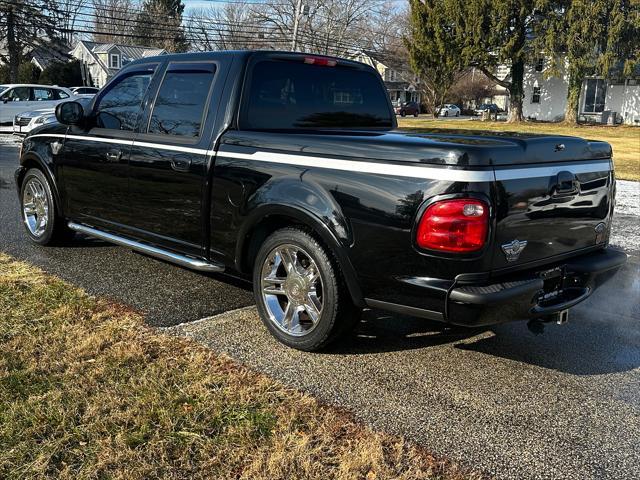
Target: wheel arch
x,y
33,160
268,218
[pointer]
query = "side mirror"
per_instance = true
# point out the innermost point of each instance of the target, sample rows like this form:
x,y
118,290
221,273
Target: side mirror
x,y
5,99
69,113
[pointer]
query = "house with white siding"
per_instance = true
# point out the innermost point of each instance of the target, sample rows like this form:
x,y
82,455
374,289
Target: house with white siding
x,y
615,100
101,61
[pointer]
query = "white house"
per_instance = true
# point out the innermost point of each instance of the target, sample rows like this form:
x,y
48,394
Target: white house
x,y
101,61
601,100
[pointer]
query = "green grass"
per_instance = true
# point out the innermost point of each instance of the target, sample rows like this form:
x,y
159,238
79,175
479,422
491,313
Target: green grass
x,y
88,391
625,140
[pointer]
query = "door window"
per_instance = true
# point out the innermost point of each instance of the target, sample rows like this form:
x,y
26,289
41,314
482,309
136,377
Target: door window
x,y
18,94
180,104
119,108
42,94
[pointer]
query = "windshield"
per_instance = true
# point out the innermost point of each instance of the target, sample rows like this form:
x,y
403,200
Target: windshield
x,y
3,88
286,95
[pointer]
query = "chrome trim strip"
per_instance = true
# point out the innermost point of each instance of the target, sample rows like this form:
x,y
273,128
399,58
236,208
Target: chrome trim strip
x,y
378,168
548,171
193,263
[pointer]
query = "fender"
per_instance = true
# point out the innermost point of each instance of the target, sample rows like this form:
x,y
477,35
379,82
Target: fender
x,y
309,204
38,154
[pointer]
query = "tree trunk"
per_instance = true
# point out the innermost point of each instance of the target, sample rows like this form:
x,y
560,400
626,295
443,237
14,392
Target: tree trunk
x,y
516,92
12,46
573,99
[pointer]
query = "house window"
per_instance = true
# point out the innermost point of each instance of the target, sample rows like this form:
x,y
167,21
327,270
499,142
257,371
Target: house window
x,y
594,96
539,64
114,60
535,97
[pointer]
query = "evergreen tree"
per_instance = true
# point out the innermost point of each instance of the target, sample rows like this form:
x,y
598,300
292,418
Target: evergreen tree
x,y
65,74
435,48
26,25
497,32
169,34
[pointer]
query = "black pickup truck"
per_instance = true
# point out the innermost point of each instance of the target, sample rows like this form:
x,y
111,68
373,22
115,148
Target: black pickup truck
x,y
288,169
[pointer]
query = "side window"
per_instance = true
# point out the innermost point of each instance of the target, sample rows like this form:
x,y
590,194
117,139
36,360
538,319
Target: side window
x,y
42,94
119,108
181,101
18,94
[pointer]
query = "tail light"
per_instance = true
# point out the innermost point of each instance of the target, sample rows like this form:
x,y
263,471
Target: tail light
x,y
457,225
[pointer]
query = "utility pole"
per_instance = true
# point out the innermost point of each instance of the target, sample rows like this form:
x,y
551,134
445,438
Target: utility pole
x,y
296,21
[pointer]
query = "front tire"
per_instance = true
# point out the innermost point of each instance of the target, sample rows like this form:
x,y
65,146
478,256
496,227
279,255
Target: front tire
x,y
40,215
301,296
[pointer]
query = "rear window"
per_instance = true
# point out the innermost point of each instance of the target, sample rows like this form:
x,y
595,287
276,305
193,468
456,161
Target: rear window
x,y
285,95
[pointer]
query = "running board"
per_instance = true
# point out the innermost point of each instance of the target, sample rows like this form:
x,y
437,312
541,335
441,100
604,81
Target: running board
x,y
193,263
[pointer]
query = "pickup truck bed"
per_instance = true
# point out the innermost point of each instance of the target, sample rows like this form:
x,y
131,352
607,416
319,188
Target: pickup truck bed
x,y
298,178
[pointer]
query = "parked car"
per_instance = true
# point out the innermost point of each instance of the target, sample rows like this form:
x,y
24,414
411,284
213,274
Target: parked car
x,y
18,98
408,108
24,122
491,107
449,110
84,90
287,169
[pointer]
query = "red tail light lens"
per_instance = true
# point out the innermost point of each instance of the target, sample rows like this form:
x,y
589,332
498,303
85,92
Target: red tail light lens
x,y
321,61
458,225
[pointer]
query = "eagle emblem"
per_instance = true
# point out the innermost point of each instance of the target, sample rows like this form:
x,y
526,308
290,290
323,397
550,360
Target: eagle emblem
x,y
512,250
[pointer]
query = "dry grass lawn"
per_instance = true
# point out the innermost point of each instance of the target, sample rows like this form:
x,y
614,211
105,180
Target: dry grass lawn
x,y
87,391
625,140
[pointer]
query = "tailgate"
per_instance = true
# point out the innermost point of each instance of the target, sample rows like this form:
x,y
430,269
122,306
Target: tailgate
x,y
549,209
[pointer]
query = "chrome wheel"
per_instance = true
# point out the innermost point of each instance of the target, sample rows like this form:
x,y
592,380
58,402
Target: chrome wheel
x,y
291,288
35,207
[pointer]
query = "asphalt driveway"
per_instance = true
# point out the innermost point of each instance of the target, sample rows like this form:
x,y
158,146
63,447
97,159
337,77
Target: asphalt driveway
x,y
561,404
167,294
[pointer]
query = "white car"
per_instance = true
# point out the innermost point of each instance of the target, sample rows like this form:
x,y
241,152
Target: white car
x,y
84,90
18,98
449,110
24,122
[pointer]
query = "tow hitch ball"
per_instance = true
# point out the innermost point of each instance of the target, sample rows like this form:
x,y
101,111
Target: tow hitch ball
x,y
537,325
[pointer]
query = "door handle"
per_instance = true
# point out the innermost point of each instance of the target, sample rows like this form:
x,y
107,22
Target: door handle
x,y
181,164
114,156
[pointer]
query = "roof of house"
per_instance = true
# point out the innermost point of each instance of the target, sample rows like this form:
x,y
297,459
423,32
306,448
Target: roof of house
x,y
388,59
46,56
129,52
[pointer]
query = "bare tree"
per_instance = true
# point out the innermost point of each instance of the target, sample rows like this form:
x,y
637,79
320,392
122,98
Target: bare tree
x,y
233,26
113,21
472,88
333,27
66,14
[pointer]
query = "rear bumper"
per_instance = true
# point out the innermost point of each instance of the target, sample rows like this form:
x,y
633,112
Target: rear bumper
x,y
533,295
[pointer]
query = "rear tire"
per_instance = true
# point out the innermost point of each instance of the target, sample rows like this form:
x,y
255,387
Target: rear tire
x,y
403,113
40,214
300,293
